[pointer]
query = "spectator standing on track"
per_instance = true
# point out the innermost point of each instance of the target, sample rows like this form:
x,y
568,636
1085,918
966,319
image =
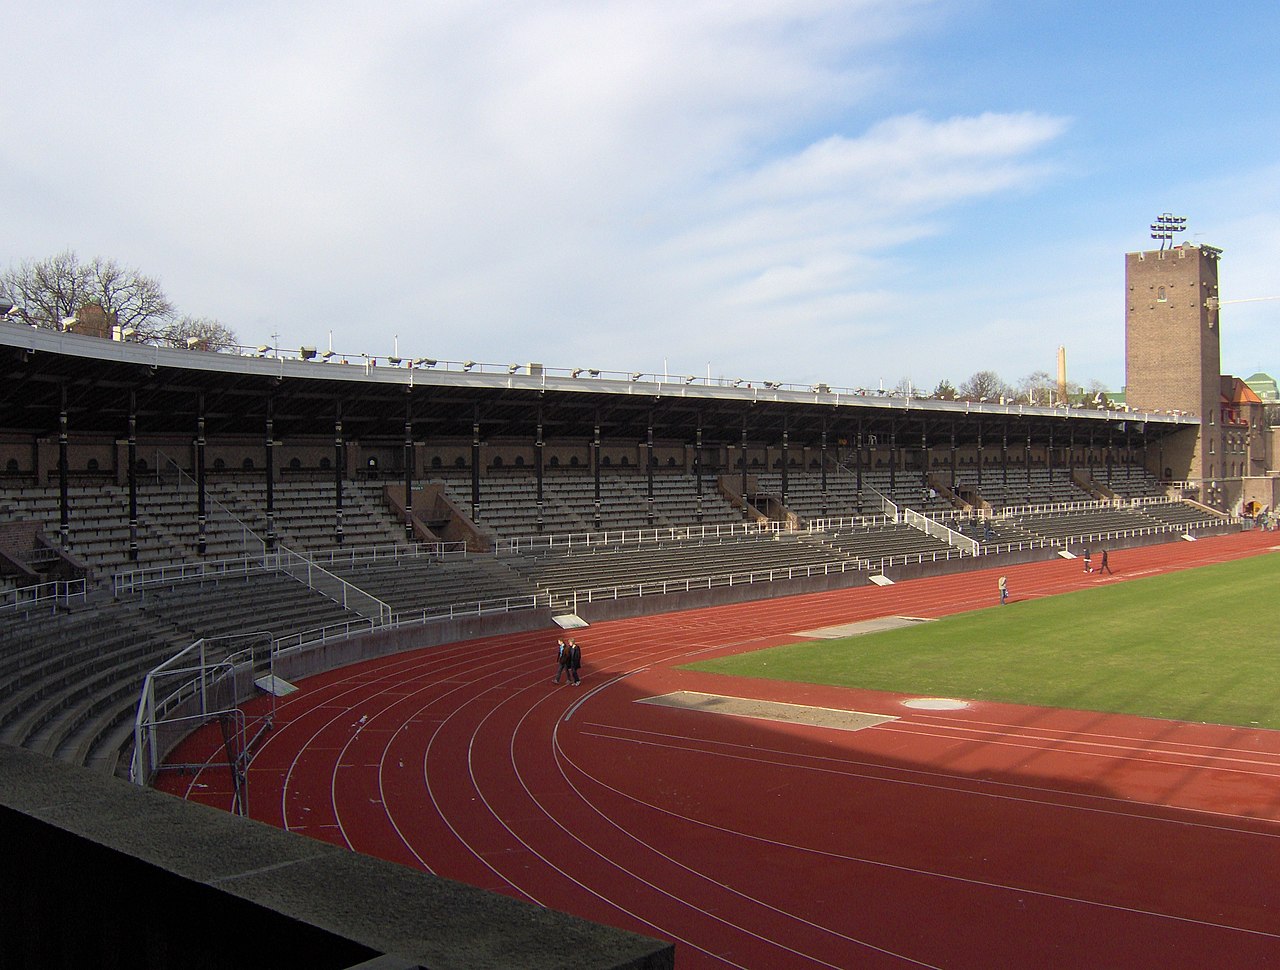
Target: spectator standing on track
x,y
1105,566
1004,590
1088,561
575,661
562,660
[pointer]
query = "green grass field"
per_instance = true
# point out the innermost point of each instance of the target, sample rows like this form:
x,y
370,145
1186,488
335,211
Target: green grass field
x,y
1196,645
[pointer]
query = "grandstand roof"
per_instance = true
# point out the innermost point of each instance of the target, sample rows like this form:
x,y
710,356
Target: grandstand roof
x,y
305,396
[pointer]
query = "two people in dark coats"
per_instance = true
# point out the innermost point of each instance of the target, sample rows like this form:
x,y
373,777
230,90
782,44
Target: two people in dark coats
x,y
569,658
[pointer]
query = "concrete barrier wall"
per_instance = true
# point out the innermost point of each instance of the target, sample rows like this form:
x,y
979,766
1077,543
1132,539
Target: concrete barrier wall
x,y
100,873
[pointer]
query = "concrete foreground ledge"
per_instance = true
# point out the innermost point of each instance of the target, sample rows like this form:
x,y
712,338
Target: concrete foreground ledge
x,y
102,873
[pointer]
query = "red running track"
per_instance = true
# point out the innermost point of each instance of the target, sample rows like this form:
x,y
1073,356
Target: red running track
x,y
992,836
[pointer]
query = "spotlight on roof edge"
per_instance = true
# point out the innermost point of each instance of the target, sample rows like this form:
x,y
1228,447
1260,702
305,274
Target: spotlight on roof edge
x,y
1165,226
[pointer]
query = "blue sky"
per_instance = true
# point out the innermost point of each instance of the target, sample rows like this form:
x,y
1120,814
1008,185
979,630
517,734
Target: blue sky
x,y
855,192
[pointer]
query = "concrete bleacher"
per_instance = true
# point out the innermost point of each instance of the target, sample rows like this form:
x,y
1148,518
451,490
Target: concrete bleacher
x,y
69,681
509,503
1179,515
418,583
563,570
876,543
71,677
305,513
254,601
1085,523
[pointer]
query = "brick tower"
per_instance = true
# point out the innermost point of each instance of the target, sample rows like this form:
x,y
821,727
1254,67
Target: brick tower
x,y
1172,359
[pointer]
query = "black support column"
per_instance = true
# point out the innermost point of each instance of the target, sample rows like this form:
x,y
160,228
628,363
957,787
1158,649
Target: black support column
x,y
64,497
924,463
475,464
744,468
202,508
857,454
339,464
697,466
648,467
131,456
785,448
595,469
538,448
955,473
408,468
1004,456
893,461
822,465
271,473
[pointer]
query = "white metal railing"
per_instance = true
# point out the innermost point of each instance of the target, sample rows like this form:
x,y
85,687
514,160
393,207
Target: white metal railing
x,y
664,587
282,560
316,577
453,611
202,680
390,552
933,527
247,533
887,506
56,593
635,536
138,579
837,523
1054,507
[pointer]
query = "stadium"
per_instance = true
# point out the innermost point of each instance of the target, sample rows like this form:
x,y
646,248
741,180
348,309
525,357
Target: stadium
x,y
324,591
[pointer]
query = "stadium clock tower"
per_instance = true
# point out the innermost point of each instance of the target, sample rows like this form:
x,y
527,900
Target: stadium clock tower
x,y
1172,358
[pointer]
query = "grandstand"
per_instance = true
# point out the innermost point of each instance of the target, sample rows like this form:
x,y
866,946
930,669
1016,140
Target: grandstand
x,y
196,495
152,499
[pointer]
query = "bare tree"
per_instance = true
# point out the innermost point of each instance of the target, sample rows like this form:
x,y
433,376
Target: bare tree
x,y
136,301
199,333
985,385
47,291
1037,388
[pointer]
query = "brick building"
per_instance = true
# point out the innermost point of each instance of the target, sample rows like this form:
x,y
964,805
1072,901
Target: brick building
x,y
1173,363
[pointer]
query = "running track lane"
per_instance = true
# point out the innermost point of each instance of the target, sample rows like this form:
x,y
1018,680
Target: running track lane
x,y
996,835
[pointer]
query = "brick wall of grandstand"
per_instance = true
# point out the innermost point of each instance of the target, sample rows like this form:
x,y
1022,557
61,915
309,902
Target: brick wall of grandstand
x,y
69,680
433,584
560,571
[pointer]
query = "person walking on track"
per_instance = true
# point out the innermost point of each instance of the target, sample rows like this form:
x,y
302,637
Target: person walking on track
x,y
575,662
562,660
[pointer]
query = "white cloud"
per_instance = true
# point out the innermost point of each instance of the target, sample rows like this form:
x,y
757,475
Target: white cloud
x,y
548,180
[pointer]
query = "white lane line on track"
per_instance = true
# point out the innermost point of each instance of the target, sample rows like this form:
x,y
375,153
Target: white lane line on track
x,y
1064,746
950,877
782,758
562,756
